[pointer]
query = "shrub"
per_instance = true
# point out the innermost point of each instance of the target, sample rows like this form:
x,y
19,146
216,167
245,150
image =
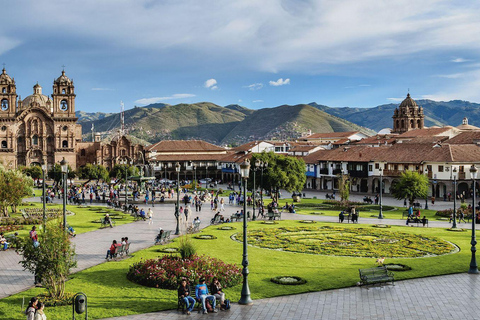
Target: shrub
x,y
167,272
288,280
444,213
186,248
10,228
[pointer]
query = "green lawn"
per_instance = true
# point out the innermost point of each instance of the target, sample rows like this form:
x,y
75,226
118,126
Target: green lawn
x,y
83,219
106,284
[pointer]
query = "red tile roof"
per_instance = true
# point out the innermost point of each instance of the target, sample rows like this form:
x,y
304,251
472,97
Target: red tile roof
x,y
465,138
184,146
331,135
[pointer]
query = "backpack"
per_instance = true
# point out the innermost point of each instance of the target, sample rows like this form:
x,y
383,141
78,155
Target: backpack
x,y
227,304
208,306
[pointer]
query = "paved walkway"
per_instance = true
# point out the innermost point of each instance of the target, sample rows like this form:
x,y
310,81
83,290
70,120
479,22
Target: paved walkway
x,y
446,297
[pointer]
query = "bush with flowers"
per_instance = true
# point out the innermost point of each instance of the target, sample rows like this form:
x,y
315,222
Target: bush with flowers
x,y
167,271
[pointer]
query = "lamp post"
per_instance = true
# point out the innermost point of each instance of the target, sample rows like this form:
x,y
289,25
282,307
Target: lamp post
x,y
473,261
44,170
254,190
206,175
195,170
64,167
380,213
177,207
245,298
426,196
263,165
454,225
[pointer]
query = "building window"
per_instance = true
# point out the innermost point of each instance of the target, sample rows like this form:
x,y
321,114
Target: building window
x,y
63,91
64,144
395,167
359,167
82,152
4,104
4,144
4,128
35,140
370,167
440,168
377,165
4,90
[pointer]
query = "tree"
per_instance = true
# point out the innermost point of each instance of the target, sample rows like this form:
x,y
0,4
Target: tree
x,y
51,261
93,172
283,172
55,173
14,186
344,186
34,171
412,185
118,171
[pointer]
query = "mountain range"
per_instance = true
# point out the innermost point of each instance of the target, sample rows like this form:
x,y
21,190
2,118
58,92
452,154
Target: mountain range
x,y
235,124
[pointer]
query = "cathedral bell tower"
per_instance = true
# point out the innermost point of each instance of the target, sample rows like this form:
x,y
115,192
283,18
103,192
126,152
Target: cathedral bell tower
x,y
408,116
8,95
63,97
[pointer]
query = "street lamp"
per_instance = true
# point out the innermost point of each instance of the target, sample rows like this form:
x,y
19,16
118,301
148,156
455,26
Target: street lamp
x,y
177,207
426,195
263,165
195,170
256,165
64,167
380,213
44,170
473,262
206,175
245,299
454,225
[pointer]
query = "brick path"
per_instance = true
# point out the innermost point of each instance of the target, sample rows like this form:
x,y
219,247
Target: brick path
x,y
445,297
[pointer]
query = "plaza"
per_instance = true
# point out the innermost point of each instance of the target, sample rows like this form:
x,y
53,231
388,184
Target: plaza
x,y
425,298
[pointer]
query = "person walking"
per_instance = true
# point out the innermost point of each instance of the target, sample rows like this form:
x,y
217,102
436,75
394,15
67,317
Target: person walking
x,y
150,216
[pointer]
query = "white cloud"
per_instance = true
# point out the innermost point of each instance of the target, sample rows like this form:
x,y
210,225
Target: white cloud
x,y
211,84
254,86
452,76
395,99
256,101
102,89
459,60
146,101
279,82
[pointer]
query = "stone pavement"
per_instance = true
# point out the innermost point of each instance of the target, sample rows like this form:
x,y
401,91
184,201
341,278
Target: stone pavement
x,y
445,297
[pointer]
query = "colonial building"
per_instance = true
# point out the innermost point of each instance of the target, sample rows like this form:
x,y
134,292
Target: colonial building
x,y
38,129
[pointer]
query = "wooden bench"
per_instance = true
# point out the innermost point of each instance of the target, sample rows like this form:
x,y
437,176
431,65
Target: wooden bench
x,y
417,221
215,220
164,238
121,251
348,217
273,215
104,224
376,275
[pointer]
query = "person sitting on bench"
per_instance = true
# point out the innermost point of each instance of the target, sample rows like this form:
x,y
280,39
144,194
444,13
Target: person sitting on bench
x,y
108,220
201,292
184,294
112,250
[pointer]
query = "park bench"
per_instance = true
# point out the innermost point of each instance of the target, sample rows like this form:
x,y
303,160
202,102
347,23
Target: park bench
x,y
417,221
215,220
181,303
348,217
234,216
376,275
105,224
273,215
164,238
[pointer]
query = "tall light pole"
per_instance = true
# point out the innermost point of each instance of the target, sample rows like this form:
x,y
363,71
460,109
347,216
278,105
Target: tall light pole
x,y
454,225
44,170
426,196
206,175
473,261
177,207
64,167
245,298
380,213
195,170
254,190
263,165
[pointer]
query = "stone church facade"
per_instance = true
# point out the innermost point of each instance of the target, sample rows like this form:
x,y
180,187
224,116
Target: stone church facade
x,y
38,129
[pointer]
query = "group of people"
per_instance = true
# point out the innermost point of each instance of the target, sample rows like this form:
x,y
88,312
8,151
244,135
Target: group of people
x,y
203,295
35,310
113,247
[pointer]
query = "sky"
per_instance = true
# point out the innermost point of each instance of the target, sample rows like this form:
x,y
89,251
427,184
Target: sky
x,y
255,53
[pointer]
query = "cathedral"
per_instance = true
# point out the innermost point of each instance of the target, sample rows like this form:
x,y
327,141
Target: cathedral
x,y
38,129
408,116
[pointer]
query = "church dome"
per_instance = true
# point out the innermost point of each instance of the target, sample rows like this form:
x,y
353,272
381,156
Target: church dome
x,y
63,79
36,98
5,78
408,103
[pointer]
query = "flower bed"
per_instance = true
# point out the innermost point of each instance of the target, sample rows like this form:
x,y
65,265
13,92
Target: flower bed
x,y
20,221
348,241
288,280
307,221
270,222
205,237
381,226
10,228
397,267
169,250
226,228
167,272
